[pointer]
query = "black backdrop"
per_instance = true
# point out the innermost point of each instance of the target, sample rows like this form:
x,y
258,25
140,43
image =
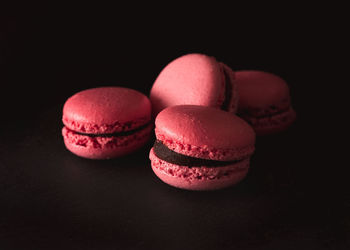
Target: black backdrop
x,y
293,197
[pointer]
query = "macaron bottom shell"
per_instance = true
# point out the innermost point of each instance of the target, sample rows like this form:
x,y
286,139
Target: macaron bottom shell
x,y
199,178
100,147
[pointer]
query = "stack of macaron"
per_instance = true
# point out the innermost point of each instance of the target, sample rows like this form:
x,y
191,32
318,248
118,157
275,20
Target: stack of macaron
x,y
205,118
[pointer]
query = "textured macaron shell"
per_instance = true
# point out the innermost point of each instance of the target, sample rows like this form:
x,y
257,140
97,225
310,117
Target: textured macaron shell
x,y
198,178
106,110
261,93
105,147
205,132
190,79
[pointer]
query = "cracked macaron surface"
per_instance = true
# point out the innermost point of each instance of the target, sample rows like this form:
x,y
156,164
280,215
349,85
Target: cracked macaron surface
x,y
106,122
195,79
201,148
264,101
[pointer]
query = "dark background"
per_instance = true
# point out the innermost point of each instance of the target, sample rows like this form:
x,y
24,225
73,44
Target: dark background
x,y
295,196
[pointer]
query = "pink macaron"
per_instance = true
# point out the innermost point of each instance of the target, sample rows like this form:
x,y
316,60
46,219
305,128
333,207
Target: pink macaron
x,y
195,79
106,122
201,148
264,101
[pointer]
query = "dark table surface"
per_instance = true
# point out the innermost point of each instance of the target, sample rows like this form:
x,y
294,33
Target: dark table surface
x,y
296,195
52,199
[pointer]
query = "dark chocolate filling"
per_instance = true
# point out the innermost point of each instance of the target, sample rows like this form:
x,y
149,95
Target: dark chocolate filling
x,y
123,133
228,92
168,155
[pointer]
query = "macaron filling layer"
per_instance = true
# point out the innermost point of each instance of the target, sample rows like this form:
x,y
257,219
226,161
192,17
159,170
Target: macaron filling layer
x,y
86,141
170,156
205,152
93,128
115,134
228,91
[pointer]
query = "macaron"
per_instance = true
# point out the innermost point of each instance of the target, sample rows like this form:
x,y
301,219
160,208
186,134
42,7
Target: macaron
x,y
106,122
201,148
264,101
195,79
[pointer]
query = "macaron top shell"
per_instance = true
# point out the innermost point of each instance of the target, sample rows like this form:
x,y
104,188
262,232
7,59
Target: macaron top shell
x,y
189,80
106,110
204,132
259,90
